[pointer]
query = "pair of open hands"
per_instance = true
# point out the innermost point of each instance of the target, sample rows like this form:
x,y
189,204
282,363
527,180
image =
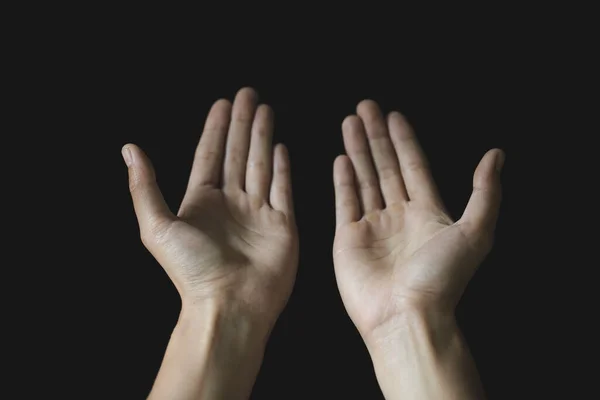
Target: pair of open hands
x,y
235,239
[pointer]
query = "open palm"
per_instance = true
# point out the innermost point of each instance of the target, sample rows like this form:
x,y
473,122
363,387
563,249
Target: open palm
x,y
234,234
395,247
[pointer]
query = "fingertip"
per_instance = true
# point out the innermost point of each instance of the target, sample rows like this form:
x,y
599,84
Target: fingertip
x,y
341,162
340,159
396,116
366,106
350,121
134,156
247,92
221,104
400,128
494,155
281,150
370,112
487,168
265,110
353,133
126,154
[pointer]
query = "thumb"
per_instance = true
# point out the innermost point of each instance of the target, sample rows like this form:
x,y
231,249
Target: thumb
x,y
481,213
150,208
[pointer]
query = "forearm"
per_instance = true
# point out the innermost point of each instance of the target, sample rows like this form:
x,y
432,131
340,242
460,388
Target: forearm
x,y
214,353
421,356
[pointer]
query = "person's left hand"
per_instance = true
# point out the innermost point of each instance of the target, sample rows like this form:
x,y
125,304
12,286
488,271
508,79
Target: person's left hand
x,y
234,240
397,251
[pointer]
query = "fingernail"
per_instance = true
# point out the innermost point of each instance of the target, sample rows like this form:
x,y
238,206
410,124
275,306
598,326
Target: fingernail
x,y
500,161
126,152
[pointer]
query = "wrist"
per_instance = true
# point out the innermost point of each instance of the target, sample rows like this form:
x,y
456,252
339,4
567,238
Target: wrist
x,y
422,354
215,352
423,325
223,320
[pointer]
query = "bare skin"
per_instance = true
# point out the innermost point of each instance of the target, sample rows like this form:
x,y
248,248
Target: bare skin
x,y
401,262
231,250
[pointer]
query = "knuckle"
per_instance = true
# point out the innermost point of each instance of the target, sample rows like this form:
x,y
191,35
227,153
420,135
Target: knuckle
x,y
362,153
135,184
479,238
214,128
155,232
483,189
243,118
235,157
387,172
369,184
407,137
146,238
344,184
258,164
208,155
415,165
346,203
261,132
283,168
283,189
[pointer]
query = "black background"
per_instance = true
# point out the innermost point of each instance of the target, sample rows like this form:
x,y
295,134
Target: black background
x,y
458,113
466,84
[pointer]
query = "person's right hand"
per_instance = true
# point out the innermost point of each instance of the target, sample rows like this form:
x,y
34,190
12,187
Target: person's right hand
x,y
234,239
396,249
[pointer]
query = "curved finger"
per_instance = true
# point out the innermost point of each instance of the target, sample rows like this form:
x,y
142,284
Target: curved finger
x,y
208,158
413,163
357,148
260,157
238,138
347,207
280,195
382,151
